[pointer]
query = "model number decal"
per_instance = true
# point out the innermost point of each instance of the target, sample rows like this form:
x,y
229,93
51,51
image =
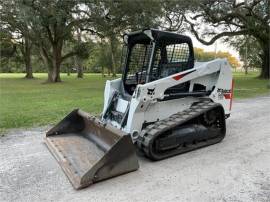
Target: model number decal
x,y
220,90
224,93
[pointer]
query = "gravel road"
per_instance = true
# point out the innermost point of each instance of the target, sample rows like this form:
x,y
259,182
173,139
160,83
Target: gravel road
x,y
237,169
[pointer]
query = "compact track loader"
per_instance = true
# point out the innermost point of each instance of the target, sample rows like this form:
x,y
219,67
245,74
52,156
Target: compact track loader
x,y
165,104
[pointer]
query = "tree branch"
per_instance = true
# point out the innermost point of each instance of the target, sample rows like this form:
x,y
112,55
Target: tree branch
x,y
216,37
44,53
49,34
92,31
70,54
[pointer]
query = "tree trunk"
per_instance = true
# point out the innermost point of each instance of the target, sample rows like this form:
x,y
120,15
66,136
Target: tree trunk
x,y
246,51
102,71
52,62
53,75
78,63
246,68
54,68
265,73
78,60
112,44
8,65
80,72
68,70
26,52
28,68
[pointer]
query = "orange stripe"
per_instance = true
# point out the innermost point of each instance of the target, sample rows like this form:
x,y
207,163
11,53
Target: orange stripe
x,y
227,96
180,76
231,94
177,77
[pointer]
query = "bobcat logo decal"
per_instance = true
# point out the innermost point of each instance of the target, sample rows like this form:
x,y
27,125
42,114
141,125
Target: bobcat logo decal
x,y
151,91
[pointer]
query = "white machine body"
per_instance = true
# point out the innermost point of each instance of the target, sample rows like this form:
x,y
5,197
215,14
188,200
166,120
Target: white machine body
x,y
145,105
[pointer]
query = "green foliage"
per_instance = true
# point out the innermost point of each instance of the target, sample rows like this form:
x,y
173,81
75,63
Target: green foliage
x,y
7,47
249,50
83,50
56,23
112,18
7,51
226,19
100,58
52,26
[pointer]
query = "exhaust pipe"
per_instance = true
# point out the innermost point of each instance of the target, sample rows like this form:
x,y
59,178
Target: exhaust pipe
x,y
90,151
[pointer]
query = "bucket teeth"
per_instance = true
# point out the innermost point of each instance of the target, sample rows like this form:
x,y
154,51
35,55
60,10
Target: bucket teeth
x,y
88,151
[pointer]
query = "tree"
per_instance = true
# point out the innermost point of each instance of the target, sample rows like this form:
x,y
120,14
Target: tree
x,y
7,50
12,21
51,23
26,47
78,59
104,58
232,18
83,48
249,51
109,20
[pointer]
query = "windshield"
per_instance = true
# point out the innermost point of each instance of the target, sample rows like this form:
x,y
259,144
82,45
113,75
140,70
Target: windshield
x,y
170,59
137,65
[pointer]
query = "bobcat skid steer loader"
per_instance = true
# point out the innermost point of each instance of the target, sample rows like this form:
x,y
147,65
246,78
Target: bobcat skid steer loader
x,y
165,104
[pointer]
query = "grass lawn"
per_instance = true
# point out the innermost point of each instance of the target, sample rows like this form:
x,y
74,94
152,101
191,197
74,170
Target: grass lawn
x,y
249,85
27,103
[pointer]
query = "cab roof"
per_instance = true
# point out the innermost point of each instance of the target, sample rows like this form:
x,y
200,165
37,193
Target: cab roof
x,y
147,35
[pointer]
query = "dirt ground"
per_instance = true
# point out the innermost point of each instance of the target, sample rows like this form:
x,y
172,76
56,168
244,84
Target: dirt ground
x,y
237,169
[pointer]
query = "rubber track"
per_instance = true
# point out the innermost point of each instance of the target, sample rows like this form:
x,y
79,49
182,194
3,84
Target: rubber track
x,y
151,132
